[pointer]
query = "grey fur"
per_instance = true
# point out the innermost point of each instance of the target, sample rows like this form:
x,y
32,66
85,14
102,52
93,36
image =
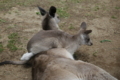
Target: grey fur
x,y
45,40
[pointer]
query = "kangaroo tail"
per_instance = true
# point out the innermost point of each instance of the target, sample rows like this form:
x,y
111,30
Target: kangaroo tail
x,y
13,62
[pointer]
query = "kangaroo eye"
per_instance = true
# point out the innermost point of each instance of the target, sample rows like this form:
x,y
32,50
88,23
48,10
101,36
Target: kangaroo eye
x,y
87,40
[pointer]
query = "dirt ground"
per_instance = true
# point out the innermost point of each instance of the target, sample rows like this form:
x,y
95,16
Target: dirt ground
x,y
101,16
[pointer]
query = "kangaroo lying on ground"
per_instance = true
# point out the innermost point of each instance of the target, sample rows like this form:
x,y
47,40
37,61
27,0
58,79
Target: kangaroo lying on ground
x,y
55,65
50,19
45,40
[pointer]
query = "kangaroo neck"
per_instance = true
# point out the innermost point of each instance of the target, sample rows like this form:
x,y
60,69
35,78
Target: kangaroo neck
x,y
53,24
73,44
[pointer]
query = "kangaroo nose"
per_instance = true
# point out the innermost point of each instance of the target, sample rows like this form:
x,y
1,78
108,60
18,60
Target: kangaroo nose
x,y
91,44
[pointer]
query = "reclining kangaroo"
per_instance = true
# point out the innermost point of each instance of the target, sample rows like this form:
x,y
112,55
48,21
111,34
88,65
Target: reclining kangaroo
x,y
50,19
55,65
45,40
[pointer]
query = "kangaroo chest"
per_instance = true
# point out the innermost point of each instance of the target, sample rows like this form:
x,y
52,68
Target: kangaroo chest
x,y
69,45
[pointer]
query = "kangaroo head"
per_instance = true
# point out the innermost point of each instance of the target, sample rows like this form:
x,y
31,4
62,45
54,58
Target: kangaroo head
x,y
51,19
84,35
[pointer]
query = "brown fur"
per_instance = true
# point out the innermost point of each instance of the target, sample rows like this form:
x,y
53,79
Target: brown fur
x,y
51,65
47,66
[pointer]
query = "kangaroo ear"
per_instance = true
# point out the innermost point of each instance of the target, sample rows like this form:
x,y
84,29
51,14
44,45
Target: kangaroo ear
x,y
42,11
83,26
88,31
52,11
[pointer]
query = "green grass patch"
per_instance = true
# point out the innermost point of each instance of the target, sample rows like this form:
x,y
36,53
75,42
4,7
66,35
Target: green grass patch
x,y
62,12
89,15
76,1
113,17
95,54
7,4
71,27
13,36
117,7
38,13
1,47
105,40
3,21
12,47
96,8
13,40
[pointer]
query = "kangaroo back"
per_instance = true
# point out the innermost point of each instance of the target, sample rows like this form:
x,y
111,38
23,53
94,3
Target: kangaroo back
x,y
51,66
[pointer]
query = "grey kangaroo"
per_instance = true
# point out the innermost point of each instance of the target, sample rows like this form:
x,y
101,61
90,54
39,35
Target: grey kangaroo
x,y
55,64
50,19
45,40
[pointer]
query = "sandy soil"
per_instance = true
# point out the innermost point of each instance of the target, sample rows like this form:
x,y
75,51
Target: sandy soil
x,y
102,17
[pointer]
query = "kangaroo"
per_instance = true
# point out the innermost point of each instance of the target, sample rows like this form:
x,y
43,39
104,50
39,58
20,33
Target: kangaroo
x,y
50,19
51,65
45,40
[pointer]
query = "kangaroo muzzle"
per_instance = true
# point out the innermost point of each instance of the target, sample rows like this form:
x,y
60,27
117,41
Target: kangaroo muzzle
x,y
90,44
